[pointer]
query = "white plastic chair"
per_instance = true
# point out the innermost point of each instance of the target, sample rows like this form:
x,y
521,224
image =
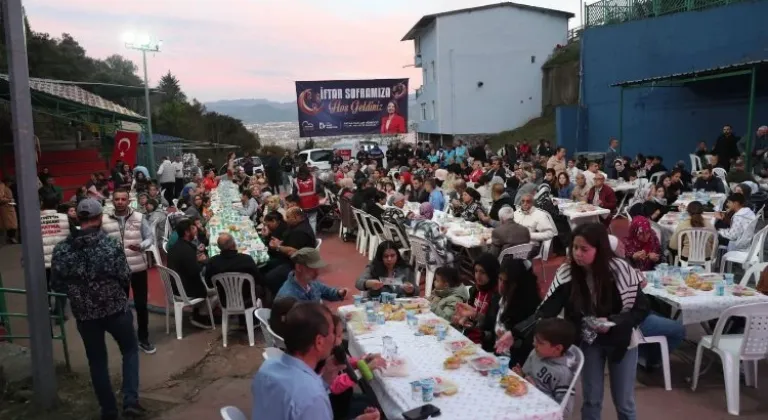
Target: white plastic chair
x,y
653,179
419,247
720,173
180,301
754,271
279,342
753,255
318,242
662,342
519,252
695,163
698,251
232,283
760,214
544,256
376,235
271,353
263,314
232,413
362,231
750,347
393,233
579,356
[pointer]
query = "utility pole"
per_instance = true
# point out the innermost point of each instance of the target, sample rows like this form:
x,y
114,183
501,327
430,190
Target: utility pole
x,y
41,346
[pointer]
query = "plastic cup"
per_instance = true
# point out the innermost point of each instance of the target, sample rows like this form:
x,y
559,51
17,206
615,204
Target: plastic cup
x,y
503,364
358,299
728,279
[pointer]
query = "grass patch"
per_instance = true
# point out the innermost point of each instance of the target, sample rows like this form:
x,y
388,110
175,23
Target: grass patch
x,y
533,130
567,54
76,400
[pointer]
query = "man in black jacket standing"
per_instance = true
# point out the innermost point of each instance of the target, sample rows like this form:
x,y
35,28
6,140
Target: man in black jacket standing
x,y
92,270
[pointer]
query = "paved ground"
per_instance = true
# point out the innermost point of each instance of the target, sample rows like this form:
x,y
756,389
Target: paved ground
x,y
192,378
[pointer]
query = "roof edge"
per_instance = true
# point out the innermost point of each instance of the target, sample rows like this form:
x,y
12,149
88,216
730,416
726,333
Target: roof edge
x,y
428,19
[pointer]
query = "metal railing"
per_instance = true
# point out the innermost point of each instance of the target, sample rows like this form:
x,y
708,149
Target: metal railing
x,y
57,319
609,12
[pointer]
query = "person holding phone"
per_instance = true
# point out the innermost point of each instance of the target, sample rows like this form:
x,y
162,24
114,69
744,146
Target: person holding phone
x,y
601,295
388,272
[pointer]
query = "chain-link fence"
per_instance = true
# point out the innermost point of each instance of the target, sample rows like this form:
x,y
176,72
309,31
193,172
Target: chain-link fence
x,y
608,12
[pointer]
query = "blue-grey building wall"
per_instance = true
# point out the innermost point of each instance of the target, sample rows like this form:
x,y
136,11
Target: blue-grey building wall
x,y
671,121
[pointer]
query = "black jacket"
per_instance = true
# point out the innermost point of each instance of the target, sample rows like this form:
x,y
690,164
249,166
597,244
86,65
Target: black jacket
x,y
231,261
713,184
617,338
182,258
504,200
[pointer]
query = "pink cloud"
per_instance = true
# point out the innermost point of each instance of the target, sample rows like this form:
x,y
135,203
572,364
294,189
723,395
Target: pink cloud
x,y
237,48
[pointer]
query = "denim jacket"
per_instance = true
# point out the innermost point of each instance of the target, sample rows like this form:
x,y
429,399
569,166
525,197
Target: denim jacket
x,y
317,291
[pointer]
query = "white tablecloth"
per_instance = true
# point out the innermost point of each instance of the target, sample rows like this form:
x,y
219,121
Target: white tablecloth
x,y
716,199
703,306
671,220
425,356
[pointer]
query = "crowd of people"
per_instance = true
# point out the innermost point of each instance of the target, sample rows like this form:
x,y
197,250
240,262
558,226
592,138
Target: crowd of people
x,y
99,240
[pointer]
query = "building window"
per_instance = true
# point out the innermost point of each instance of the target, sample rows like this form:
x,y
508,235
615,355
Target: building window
x,y
424,76
434,111
423,111
533,59
434,72
417,45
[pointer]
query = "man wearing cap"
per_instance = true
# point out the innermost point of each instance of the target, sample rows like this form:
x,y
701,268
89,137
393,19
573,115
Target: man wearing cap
x,y
302,282
92,270
133,231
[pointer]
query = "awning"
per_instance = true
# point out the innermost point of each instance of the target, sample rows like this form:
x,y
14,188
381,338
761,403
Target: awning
x,y
78,95
738,69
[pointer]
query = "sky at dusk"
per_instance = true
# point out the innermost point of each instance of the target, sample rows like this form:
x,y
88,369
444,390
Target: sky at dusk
x,y
230,49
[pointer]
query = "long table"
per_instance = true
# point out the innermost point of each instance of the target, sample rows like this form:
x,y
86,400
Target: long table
x,y
476,399
225,202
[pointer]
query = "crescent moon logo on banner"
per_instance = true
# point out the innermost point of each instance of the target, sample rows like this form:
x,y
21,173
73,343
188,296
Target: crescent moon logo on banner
x,y
120,146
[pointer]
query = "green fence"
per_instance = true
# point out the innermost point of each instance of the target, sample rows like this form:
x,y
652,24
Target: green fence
x,y
609,12
57,319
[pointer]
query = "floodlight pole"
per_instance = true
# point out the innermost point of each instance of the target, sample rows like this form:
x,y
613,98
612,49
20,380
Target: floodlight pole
x,y
150,142
152,47
40,342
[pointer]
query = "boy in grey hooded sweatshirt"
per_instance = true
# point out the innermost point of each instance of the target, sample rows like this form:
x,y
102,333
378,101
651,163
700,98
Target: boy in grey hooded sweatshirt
x,y
549,366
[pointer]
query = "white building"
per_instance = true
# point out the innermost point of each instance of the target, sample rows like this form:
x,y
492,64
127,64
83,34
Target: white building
x,y
481,67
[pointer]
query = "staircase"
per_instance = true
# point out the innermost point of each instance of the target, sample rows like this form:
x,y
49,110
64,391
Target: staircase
x,y
71,168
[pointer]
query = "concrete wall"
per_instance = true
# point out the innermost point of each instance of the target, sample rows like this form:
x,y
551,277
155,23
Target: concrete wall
x,y
493,47
671,121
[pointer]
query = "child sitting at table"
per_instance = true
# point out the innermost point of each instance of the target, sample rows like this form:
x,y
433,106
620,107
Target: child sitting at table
x,y
548,368
448,292
342,388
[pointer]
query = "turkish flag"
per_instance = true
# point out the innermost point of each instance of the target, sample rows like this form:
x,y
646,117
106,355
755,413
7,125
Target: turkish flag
x,y
126,147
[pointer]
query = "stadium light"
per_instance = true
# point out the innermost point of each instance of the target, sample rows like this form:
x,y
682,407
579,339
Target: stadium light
x,y
144,43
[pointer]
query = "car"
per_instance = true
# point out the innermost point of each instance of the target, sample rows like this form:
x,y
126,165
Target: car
x,y
317,158
258,166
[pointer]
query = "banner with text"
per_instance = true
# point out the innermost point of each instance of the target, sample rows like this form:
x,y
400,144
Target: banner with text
x,y
345,107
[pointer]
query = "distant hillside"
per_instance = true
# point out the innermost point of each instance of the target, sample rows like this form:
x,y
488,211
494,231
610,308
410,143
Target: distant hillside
x,y
252,111
256,111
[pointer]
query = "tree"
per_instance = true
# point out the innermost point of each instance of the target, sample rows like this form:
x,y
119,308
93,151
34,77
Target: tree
x,y
65,59
171,89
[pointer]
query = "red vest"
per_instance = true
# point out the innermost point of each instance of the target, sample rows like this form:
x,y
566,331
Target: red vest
x,y
308,198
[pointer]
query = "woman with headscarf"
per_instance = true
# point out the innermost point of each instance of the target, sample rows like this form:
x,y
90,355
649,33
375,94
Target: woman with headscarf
x,y
471,208
432,233
482,297
641,246
426,211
